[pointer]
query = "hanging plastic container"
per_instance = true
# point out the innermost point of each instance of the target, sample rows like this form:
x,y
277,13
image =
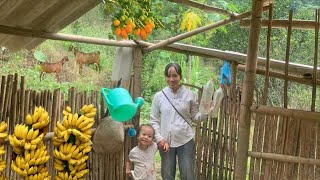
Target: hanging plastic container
x,y
217,100
206,99
120,104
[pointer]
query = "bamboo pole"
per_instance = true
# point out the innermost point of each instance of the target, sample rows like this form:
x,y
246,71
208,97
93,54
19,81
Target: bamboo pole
x,y
293,113
315,61
247,98
282,23
199,30
203,7
64,37
294,68
280,75
284,158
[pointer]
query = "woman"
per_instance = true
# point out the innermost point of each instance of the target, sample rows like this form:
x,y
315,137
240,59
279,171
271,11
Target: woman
x,y
172,111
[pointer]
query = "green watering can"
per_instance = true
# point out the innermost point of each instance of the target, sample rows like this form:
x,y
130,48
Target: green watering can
x,y
120,104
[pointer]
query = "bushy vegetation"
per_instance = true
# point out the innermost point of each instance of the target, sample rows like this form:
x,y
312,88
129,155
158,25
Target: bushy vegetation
x,y
231,37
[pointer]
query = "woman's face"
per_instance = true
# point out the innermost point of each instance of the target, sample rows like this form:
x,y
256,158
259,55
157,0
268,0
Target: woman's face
x,y
173,79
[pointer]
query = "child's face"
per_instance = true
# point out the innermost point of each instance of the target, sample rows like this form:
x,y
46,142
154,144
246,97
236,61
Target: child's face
x,y
145,136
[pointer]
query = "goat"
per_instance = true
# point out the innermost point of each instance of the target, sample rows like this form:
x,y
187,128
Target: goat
x,y
86,58
56,67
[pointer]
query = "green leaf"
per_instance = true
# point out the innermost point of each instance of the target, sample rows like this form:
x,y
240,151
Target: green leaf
x,y
39,56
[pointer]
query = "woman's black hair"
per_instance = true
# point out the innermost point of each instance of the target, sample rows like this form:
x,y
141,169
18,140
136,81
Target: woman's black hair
x,y
176,66
146,125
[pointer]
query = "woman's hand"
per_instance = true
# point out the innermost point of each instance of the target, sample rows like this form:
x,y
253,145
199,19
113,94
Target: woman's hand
x,y
163,145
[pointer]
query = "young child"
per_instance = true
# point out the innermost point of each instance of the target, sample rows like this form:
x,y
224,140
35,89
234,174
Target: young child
x,y
142,156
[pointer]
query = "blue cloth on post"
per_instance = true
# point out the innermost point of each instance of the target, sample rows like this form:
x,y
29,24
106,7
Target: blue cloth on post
x,y
225,74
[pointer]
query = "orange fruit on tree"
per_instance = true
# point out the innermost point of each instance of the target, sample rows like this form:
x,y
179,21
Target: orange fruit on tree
x,y
118,31
137,32
148,28
116,22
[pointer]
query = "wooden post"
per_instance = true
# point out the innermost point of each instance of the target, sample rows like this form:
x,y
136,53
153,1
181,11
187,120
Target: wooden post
x,y
249,82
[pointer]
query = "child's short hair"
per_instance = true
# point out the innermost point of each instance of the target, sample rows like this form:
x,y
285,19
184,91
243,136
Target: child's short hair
x,y
146,125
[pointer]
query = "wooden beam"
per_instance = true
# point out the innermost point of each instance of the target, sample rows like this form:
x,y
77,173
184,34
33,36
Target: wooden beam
x,y
63,37
282,23
294,68
280,75
293,113
199,30
284,158
203,7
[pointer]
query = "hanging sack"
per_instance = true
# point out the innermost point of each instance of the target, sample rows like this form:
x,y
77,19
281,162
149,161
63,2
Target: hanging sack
x,y
206,99
216,103
109,137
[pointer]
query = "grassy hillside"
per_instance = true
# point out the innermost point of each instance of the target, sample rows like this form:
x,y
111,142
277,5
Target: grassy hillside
x,y
92,24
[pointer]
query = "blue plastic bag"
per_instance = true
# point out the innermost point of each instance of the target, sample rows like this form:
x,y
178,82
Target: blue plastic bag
x,y
225,74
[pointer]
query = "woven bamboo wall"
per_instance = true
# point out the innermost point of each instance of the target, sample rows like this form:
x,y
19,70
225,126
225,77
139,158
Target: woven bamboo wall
x,y
216,142
16,101
287,146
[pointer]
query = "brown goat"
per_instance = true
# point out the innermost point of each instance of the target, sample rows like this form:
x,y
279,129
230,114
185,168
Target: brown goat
x,y
56,67
86,58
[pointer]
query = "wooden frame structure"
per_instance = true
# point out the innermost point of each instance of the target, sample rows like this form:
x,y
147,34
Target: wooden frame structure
x,y
293,72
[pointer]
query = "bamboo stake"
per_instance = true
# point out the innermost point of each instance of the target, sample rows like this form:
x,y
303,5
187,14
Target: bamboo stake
x,y
293,113
315,61
282,23
199,30
247,98
284,158
203,7
2,97
267,140
280,75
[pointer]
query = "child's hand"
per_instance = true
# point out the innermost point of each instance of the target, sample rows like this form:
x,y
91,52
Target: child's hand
x,y
166,147
163,145
128,173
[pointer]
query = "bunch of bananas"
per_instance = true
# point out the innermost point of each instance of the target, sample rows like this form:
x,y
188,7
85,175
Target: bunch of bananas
x,y
72,141
3,136
29,150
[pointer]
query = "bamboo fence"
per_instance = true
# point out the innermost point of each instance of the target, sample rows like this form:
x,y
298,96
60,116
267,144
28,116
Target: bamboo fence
x,y
288,143
16,102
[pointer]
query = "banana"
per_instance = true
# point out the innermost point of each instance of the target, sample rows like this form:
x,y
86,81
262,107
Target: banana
x,y
3,126
68,109
29,120
37,140
66,136
65,122
87,127
24,132
82,166
58,161
70,117
30,133
79,120
75,153
44,116
87,149
35,134
61,127
27,155
90,115
32,162
81,173
83,124
35,116
3,135
74,119
16,130
65,113
58,167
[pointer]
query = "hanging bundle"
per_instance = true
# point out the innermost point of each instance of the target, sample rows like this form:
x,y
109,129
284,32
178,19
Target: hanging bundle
x,y
111,130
